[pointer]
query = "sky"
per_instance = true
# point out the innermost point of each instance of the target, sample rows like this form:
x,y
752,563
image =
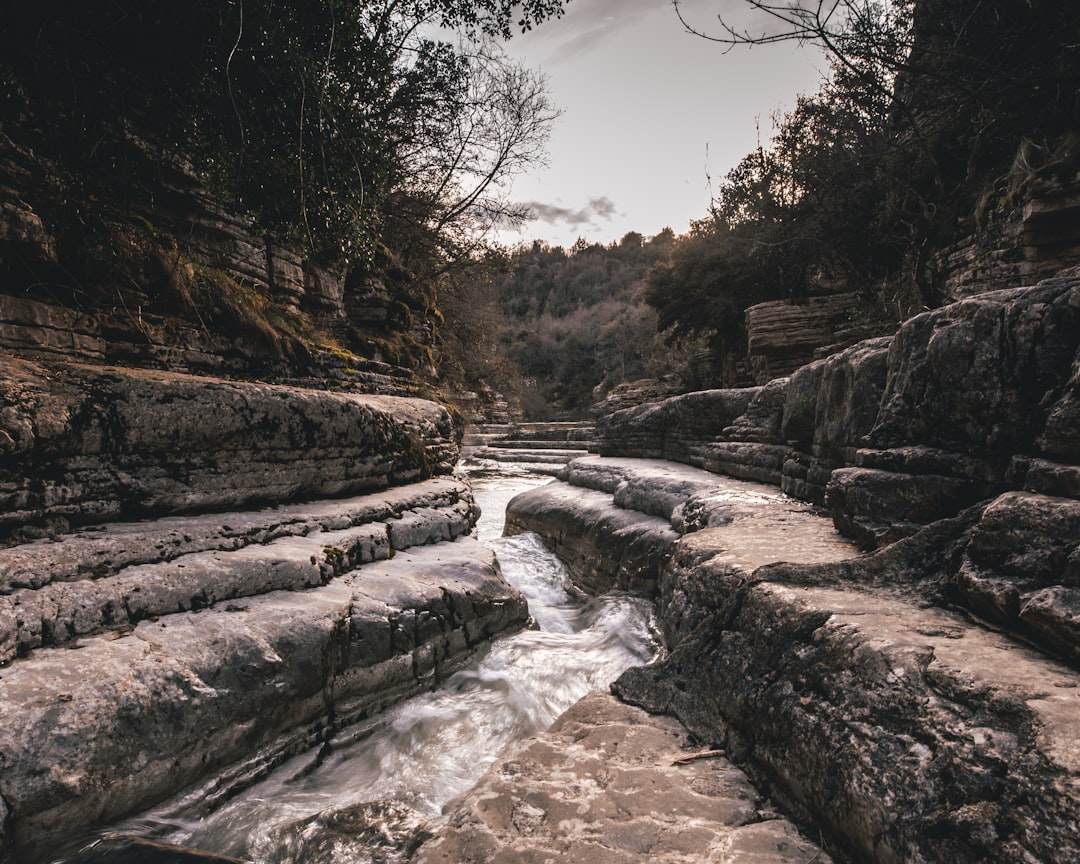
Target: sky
x,y
650,113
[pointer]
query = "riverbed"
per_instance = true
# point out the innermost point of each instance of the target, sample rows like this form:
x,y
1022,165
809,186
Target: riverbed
x,y
424,752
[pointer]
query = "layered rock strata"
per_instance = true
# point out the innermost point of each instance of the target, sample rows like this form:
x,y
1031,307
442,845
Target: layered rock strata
x,y
846,687
207,644
84,444
965,403
230,643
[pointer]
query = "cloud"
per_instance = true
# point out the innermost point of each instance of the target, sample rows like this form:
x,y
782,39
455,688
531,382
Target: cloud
x,y
596,208
586,23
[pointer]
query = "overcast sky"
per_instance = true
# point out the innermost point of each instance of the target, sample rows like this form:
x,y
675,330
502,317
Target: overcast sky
x,y
649,111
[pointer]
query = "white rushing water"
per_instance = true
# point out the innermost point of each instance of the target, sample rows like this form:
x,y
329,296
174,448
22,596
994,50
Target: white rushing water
x,y
435,746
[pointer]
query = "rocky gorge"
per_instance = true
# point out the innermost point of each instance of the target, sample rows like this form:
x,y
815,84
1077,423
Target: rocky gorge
x,y
907,692
918,701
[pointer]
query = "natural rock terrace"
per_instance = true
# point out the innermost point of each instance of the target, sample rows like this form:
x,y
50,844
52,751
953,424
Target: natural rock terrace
x,y
867,695
210,646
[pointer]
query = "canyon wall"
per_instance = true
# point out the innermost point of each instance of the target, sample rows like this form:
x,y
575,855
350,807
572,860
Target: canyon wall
x,y
243,569
917,702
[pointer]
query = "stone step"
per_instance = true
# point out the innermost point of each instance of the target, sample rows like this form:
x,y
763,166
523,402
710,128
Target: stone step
x,y
518,443
112,578
548,456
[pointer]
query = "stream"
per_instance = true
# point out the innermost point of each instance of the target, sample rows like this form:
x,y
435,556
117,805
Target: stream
x,y
422,753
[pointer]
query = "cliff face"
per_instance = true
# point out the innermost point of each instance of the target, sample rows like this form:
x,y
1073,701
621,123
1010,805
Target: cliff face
x,y
220,481
142,266
868,694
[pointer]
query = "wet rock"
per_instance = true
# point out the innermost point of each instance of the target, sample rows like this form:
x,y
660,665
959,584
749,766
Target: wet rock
x,y
90,735
602,545
604,784
377,832
906,733
136,850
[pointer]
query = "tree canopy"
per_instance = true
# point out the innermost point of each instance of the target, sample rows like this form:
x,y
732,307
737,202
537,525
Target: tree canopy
x,y
928,107
345,124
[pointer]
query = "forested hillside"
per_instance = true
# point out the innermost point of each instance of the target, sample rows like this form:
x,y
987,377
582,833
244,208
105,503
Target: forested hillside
x,y
289,177
574,322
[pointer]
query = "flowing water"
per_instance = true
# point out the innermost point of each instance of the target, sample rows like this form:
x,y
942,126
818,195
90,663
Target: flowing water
x,y
435,746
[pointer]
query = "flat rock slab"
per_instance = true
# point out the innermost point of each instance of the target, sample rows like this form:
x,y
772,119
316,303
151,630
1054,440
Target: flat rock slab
x,y
603,786
616,521
90,444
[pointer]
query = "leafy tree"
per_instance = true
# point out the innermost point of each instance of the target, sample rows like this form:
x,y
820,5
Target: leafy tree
x,y
963,84
574,320
323,119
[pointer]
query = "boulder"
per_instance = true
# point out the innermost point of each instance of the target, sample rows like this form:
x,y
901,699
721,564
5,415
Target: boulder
x,y
1021,569
675,428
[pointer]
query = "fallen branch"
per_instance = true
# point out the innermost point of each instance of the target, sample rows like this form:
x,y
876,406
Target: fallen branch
x,y
701,754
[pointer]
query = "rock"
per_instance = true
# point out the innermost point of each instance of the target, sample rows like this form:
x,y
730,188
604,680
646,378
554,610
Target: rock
x,y
675,428
52,592
603,546
603,784
88,444
878,507
136,850
980,376
830,406
902,731
617,522
633,393
385,832
905,733
1021,569
761,421
782,335
89,736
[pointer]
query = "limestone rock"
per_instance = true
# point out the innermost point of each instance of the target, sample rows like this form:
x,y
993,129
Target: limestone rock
x,y
603,784
603,546
980,376
906,733
88,444
91,735
782,335
675,428
1022,569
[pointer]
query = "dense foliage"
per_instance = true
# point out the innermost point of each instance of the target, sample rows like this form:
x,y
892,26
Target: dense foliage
x,y
569,324
343,124
934,111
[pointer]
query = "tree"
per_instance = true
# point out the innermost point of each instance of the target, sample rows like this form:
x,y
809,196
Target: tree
x,y
317,118
965,84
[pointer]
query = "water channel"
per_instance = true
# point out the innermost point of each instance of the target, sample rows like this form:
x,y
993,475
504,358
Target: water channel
x,y
435,746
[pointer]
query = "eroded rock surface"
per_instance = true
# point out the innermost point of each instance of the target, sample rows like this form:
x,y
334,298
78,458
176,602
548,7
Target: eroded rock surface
x,y
84,444
133,715
848,686
604,784
965,403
